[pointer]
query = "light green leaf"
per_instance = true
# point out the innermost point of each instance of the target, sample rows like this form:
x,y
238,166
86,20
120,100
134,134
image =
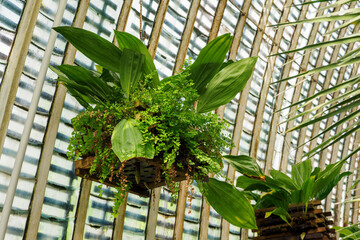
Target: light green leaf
x,y
130,70
283,179
301,172
326,189
94,47
325,177
126,40
307,188
245,165
226,84
127,141
230,203
208,63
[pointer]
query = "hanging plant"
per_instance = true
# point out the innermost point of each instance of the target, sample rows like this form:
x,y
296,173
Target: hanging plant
x,y
137,132
271,195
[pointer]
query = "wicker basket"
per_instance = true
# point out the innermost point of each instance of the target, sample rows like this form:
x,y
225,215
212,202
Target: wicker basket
x,y
145,168
313,225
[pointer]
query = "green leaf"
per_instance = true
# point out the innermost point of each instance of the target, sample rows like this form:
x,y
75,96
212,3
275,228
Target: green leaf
x,y
326,189
323,68
126,40
250,184
230,203
354,185
130,70
245,165
277,198
343,85
209,61
322,18
127,141
307,190
281,212
83,85
283,179
345,40
94,47
301,172
226,84
325,177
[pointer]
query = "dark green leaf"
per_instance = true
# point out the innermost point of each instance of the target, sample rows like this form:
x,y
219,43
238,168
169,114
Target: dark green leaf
x,y
250,184
245,165
208,63
326,189
325,177
86,78
283,179
130,70
127,141
278,198
226,84
307,190
230,203
301,172
94,47
126,40
281,212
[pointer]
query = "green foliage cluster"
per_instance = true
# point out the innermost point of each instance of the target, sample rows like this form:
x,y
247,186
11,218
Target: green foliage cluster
x,y
277,190
130,114
167,120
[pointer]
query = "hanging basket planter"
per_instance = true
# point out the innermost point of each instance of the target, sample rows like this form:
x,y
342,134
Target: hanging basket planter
x,y
312,223
142,173
137,132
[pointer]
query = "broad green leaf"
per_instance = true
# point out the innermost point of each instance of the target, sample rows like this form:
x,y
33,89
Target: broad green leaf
x,y
226,84
81,98
315,171
84,77
325,177
250,184
245,165
326,189
126,40
230,203
301,172
130,70
307,190
79,83
251,196
277,198
94,47
296,196
282,213
209,61
127,141
283,179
